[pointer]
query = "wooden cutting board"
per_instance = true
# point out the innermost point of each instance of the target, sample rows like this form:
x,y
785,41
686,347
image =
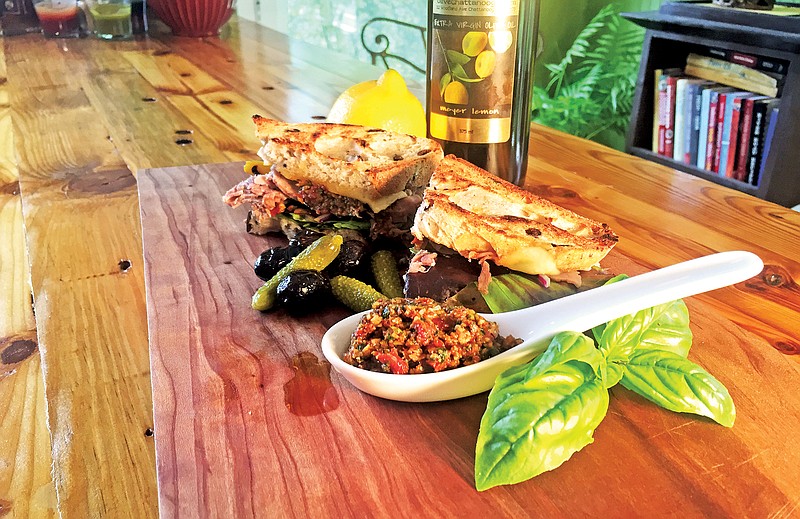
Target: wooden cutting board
x,y
250,422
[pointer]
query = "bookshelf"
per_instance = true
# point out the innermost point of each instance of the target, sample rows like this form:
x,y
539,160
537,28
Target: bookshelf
x,y
680,28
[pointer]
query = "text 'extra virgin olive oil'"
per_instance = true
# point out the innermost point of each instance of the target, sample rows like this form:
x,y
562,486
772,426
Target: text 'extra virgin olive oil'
x,y
480,70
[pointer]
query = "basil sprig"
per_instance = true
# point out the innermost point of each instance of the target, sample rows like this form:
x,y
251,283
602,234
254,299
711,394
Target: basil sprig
x,y
541,413
678,384
664,327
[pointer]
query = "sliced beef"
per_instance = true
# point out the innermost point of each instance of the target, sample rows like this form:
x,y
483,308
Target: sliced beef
x,y
264,197
323,202
443,279
396,220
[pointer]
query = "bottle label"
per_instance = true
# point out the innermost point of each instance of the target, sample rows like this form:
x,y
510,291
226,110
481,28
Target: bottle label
x,y
473,46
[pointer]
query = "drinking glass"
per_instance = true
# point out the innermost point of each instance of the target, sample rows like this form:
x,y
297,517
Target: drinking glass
x,y
58,18
111,19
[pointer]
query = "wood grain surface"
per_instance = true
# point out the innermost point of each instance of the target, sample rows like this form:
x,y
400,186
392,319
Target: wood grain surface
x,y
26,488
86,116
228,443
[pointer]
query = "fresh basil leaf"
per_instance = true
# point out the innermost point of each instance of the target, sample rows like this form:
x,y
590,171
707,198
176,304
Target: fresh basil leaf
x,y
678,384
542,412
614,372
662,327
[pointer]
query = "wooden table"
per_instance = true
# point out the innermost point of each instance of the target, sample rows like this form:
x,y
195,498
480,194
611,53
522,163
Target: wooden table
x,y
80,119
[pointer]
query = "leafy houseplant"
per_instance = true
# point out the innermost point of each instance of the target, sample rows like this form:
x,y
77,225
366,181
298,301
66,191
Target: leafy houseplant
x,y
590,91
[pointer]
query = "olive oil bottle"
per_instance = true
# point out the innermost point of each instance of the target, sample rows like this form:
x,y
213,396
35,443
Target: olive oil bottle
x,y
479,76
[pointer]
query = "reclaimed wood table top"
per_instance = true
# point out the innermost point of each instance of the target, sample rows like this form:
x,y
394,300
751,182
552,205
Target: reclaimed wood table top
x,y
81,120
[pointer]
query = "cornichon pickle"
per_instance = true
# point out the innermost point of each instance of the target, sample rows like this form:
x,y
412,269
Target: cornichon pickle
x,y
254,167
355,294
384,268
316,256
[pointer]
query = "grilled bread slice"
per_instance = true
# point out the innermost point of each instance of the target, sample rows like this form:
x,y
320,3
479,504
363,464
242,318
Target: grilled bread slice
x,y
483,217
371,165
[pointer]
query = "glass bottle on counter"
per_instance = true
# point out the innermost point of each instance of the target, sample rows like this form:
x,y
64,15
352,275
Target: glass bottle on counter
x,y
17,17
479,76
139,16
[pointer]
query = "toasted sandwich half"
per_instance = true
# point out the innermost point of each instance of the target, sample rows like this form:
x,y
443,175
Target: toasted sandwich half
x,y
471,213
326,176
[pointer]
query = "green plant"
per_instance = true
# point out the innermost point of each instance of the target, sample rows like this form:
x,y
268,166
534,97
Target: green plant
x,y
590,91
540,413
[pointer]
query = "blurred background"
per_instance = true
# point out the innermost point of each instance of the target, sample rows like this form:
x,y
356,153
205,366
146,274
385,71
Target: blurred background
x,y
585,72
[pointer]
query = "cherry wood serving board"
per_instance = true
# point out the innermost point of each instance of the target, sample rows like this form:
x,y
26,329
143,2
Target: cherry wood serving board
x,y
250,422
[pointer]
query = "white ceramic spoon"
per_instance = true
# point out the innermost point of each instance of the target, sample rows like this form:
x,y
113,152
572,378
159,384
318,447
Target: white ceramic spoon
x,y
538,324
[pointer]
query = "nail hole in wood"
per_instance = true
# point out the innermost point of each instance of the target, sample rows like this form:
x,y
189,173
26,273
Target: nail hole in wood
x,y
148,432
183,142
184,132
17,351
186,74
149,99
124,265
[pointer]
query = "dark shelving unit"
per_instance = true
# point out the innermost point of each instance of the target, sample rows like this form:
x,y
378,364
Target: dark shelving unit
x,y
680,28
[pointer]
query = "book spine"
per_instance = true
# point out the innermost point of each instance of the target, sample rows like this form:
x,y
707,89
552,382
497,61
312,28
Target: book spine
x,y
718,134
656,109
733,138
702,137
690,135
773,122
743,150
756,142
662,114
711,140
679,130
669,117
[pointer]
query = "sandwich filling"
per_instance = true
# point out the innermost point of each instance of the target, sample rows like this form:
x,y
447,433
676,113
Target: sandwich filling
x,y
440,273
302,204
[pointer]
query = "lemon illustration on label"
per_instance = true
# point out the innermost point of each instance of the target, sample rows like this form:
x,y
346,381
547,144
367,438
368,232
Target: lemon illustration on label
x,y
500,41
383,103
474,42
484,63
456,93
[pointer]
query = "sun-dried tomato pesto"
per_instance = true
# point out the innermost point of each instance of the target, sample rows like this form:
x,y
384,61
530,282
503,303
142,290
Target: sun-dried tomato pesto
x,y
421,336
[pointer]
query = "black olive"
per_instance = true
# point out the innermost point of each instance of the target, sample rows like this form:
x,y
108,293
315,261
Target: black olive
x,y
303,291
304,238
271,261
350,260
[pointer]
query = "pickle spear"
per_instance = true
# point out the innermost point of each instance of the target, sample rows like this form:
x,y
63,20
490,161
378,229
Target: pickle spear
x,y
316,256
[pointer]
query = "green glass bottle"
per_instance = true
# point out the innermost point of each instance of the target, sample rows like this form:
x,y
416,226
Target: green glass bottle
x,y
479,76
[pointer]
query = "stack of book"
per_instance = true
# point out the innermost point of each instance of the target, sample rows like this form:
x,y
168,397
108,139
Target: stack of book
x,y
719,112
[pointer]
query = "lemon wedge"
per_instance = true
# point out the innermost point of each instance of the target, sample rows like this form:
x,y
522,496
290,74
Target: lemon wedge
x,y
383,103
